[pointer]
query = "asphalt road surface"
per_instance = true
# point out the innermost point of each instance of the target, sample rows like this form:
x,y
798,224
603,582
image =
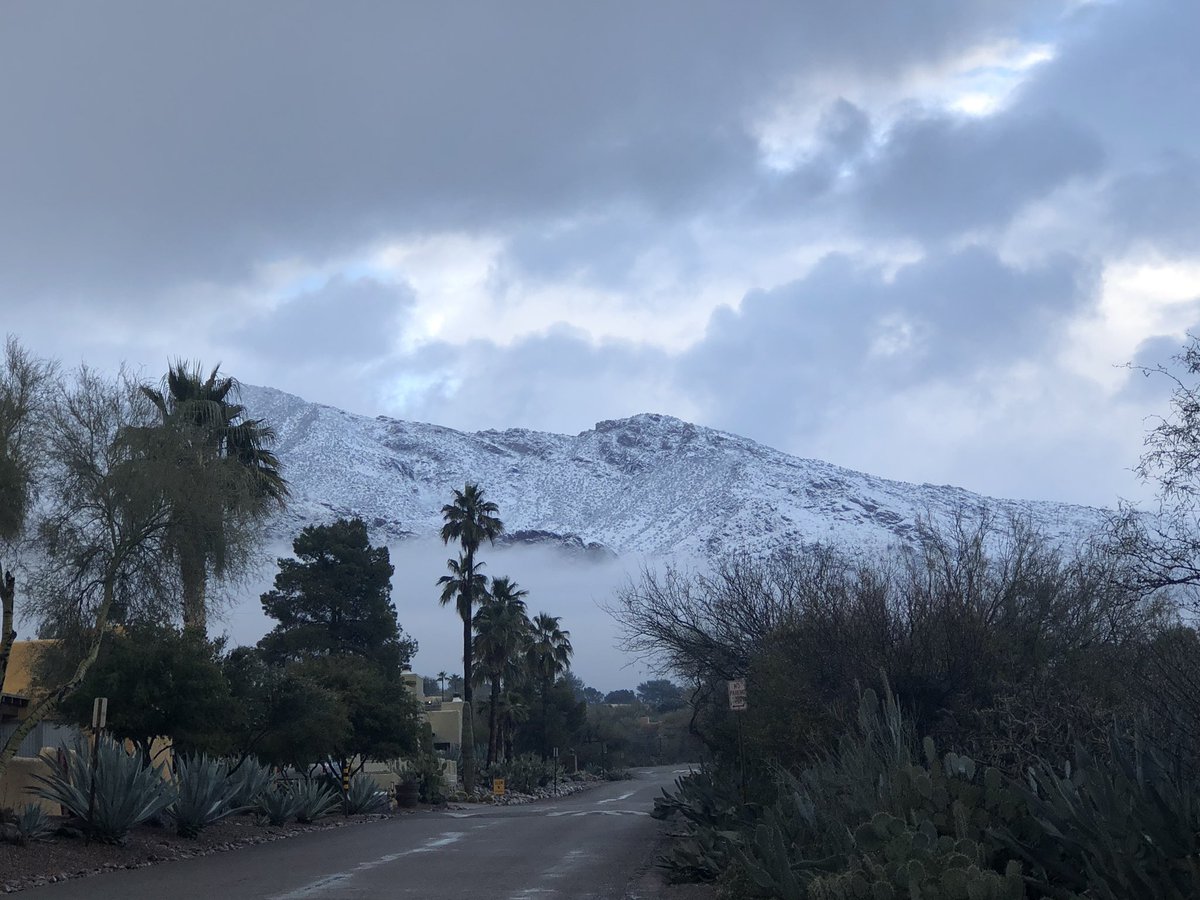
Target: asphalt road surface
x,y
598,843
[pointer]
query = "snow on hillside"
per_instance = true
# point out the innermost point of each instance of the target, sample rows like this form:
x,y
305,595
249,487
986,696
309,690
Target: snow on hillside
x,y
650,484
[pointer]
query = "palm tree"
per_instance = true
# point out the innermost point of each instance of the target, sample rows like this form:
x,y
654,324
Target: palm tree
x,y
511,711
226,475
548,654
470,520
441,680
501,631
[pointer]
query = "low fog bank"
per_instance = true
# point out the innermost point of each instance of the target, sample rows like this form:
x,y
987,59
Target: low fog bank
x,y
560,583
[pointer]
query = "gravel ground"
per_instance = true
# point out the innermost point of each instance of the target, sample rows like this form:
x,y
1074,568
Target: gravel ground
x,y
72,857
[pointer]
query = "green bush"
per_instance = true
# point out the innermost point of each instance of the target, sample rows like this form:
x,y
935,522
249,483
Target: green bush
x,y
204,794
127,793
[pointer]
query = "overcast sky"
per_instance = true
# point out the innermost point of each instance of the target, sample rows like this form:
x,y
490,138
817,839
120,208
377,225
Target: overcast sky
x,y
911,238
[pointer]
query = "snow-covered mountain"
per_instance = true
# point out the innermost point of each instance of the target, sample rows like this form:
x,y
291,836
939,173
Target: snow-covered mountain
x,y
650,484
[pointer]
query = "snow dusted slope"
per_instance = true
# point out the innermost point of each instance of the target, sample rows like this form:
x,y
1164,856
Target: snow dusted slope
x,y
649,484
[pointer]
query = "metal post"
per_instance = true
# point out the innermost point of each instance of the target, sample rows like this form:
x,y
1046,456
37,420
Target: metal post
x,y
555,771
99,719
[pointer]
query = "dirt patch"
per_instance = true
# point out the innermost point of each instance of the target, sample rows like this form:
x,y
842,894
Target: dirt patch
x,y
73,857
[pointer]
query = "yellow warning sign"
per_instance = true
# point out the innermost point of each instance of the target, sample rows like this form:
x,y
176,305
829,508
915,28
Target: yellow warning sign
x,y
498,787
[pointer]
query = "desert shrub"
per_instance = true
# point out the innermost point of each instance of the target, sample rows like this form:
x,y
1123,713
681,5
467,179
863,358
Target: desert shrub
x,y
431,779
204,794
127,793
708,807
525,773
365,796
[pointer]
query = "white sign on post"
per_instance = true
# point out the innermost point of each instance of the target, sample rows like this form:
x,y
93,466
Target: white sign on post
x,y
737,694
99,712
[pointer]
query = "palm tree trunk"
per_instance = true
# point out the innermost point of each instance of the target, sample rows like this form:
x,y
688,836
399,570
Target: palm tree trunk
x,y
545,720
468,725
193,576
491,757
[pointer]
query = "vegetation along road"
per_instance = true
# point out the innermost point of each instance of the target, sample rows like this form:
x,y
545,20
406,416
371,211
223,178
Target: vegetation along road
x,y
595,844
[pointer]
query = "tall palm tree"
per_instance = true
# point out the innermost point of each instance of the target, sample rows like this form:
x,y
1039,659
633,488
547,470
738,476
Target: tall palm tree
x,y
226,475
462,583
441,680
470,520
548,655
501,631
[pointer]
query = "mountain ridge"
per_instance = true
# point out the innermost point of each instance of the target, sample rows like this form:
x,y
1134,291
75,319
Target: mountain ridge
x,y
650,484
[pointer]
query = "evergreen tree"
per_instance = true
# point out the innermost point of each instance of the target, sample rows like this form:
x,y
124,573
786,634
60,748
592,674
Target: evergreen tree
x,y
334,599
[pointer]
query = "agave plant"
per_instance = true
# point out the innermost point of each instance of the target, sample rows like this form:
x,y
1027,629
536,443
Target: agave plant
x,y
313,800
204,794
365,796
277,806
27,824
126,792
248,780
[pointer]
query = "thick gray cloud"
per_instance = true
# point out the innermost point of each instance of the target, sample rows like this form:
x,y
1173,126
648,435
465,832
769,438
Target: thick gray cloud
x,y
157,143
790,358
343,321
160,156
558,381
940,176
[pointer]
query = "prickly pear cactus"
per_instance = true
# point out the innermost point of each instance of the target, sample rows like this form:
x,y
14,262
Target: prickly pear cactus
x,y
899,861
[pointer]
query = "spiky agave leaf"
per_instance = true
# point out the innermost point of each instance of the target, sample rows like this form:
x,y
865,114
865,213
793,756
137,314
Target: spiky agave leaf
x,y
248,780
277,805
204,794
127,793
365,796
314,800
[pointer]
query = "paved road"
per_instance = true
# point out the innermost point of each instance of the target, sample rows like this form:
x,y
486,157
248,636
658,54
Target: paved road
x,y
595,844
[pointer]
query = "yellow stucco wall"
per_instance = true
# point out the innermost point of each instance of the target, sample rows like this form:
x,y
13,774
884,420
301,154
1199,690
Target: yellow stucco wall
x,y
18,781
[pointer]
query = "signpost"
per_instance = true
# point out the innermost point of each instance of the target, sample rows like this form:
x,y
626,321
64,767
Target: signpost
x,y
737,694
555,771
497,787
737,703
99,720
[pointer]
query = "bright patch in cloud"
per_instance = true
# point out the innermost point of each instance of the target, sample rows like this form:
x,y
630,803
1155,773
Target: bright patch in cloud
x,y
1141,299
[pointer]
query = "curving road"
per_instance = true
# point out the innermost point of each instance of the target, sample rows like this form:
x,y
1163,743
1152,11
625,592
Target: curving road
x,y
595,844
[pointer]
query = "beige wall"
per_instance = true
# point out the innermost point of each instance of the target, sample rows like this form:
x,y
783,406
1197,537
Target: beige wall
x,y
18,782
446,723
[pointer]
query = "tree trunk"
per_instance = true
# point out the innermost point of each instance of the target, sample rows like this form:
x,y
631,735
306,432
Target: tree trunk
x,y
492,747
8,635
468,725
47,704
545,718
194,577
